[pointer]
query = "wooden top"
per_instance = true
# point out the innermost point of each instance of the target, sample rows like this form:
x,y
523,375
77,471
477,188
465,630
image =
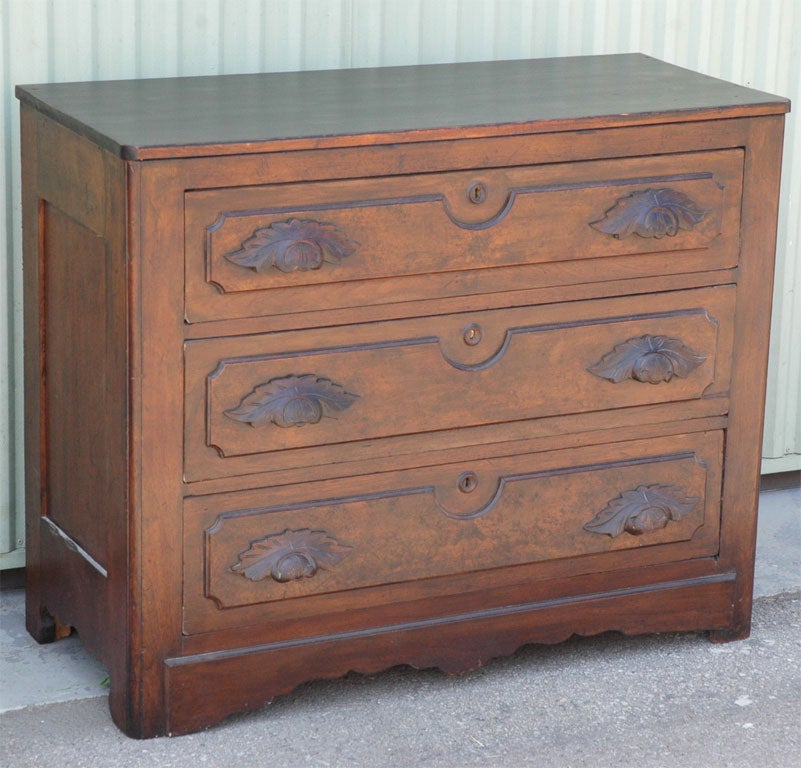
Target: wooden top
x,y
235,114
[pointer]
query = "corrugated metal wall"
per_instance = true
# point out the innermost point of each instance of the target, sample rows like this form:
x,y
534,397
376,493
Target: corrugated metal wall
x,y
753,42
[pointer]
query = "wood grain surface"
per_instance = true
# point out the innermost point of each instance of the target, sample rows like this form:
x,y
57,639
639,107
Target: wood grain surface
x,y
343,370
231,114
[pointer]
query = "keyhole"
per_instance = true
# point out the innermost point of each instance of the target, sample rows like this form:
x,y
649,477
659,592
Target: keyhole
x,y
477,193
472,335
468,482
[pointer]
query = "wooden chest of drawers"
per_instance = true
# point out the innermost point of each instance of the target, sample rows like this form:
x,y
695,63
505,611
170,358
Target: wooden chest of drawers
x,y
335,371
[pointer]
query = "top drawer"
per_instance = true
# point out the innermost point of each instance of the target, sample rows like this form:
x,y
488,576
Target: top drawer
x,y
277,249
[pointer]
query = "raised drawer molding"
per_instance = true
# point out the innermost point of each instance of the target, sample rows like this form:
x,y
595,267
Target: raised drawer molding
x,y
471,357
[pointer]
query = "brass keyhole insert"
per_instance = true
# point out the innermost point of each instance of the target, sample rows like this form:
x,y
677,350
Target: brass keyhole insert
x,y
472,335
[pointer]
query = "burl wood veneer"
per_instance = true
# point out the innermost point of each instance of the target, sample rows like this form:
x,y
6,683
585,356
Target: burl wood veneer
x,y
333,371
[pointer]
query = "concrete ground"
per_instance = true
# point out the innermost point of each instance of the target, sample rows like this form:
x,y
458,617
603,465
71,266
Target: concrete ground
x,y
655,701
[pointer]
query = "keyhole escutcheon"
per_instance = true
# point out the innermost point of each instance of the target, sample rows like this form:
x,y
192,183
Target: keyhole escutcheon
x,y
468,482
477,193
472,335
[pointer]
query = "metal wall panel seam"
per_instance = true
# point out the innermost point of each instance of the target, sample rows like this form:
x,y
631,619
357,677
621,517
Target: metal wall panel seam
x,y
753,42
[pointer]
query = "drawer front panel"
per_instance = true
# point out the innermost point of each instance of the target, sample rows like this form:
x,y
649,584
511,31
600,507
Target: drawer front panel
x,y
250,400
621,505
273,250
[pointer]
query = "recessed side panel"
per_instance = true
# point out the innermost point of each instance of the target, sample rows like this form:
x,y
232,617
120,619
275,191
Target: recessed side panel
x,y
82,416
76,395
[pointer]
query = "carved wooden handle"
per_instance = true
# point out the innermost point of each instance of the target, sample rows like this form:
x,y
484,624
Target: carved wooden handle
x,y
292,401
651,213
652,359
294,245
646,508
290,555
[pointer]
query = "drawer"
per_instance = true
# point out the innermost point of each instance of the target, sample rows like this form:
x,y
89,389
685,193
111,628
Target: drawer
x,y
287,248
272,401
250,556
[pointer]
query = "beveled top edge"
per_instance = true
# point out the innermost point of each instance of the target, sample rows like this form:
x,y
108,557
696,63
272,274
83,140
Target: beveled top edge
x,y
238,114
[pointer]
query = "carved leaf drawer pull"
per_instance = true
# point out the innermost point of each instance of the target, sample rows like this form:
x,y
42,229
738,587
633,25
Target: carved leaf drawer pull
x,y
652,359
290,555
292,401
294,245
652,213
647,508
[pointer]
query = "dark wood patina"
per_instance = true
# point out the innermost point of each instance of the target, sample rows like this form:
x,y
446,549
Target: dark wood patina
x,y
334,371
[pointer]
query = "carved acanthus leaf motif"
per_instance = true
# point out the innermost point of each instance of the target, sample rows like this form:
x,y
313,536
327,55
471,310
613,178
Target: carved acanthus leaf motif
x,y
290,555
646,508
647,358
292,245
292,401
651,213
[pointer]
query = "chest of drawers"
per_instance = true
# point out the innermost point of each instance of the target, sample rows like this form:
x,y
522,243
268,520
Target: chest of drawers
x,y
335,371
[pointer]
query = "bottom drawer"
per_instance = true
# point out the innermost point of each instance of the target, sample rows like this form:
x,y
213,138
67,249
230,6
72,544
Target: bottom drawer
x,y
284,553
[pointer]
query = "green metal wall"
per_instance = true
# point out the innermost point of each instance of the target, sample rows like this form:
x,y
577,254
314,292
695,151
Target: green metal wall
x,y
752,42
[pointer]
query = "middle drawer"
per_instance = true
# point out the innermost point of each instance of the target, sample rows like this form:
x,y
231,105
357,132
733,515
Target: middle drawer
x,y
269,402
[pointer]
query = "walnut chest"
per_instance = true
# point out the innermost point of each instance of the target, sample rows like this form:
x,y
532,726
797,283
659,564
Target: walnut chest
x,y
335,371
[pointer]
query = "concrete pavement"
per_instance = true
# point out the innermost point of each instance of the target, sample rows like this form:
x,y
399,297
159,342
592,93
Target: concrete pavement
x,y
654,701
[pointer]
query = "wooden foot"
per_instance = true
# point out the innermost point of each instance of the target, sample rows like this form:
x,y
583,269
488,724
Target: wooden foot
x,y
41,625
730,634
62,630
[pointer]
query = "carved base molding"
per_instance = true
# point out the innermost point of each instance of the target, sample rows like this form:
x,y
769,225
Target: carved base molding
x,y
455,644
